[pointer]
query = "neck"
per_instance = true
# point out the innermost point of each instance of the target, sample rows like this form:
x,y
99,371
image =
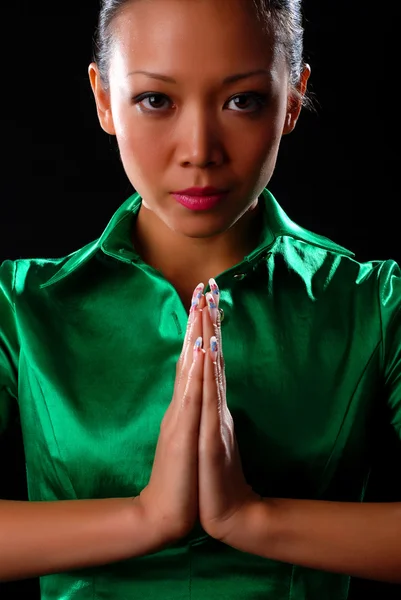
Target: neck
x,y
191,260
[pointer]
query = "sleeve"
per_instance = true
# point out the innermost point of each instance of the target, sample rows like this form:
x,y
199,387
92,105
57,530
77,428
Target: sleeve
x,y
390,306
8,343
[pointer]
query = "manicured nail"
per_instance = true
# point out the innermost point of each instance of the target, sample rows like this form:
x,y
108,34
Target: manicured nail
x,y
213,347
212,306
198,347
196,296
214,288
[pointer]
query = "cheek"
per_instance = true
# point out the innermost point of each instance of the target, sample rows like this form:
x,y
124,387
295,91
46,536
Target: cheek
x,y
259,152
131,137
141,151
259,146
262,136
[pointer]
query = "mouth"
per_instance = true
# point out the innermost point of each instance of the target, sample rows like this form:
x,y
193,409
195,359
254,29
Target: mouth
x,y
199,202
201,191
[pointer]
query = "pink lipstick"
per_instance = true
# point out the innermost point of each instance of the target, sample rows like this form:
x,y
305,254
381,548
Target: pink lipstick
x,y
198,199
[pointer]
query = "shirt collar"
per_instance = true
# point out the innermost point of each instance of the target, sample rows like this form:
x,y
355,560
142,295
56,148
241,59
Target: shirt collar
x,y
116,242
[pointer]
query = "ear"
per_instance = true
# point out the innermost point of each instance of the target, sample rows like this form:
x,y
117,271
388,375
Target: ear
x,y
102,98
295,101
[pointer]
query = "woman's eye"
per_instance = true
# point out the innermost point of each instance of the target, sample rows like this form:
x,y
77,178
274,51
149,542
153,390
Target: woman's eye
x,y
155,102
252,101
150,102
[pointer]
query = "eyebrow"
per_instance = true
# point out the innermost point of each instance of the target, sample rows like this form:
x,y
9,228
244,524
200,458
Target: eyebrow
x,y
226,81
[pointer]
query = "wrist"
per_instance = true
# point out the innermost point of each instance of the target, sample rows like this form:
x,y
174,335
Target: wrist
x,y
158,530
252,526
145,535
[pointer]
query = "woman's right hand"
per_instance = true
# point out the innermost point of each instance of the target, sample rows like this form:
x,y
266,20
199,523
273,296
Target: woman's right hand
x,y
170,500
77,534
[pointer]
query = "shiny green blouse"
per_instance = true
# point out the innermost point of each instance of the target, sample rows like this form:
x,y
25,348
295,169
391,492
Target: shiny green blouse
x,y
312,344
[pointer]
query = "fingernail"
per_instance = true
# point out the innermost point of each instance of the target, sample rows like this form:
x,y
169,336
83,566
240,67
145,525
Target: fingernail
x,y
211,303
213,347
196,296
198,346
214,288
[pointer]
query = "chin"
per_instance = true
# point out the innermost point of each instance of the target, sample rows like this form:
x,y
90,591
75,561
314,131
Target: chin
x,y
200,230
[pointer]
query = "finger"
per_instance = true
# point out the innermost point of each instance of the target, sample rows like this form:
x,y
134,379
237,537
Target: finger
x,y
191,398
191,332
211,398
209,319
196,302
214,288
212,327
194,331
221,364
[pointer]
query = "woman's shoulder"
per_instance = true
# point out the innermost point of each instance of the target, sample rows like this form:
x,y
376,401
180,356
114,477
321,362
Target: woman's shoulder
x,y
334,276
315,254
22,274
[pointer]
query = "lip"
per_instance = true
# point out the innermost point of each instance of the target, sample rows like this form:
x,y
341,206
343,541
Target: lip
x,y
199,202
199,191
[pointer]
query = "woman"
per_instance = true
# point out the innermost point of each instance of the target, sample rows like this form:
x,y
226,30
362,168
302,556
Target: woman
x,y
240,478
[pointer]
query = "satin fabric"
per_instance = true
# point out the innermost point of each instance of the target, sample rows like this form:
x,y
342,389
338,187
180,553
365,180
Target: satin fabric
x,y
312,345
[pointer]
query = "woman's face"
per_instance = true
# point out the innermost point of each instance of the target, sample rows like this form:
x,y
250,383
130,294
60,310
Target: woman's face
x,y
195,121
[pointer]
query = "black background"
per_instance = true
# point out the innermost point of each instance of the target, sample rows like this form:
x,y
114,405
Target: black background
x,y
61,179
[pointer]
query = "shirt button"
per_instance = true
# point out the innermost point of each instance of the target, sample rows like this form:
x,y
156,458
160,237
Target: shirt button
x,y
239,276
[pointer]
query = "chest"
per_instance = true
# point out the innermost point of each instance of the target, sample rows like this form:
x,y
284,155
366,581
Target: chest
x,y
93,392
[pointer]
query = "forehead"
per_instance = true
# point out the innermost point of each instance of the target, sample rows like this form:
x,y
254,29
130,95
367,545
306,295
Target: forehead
x,y
192,36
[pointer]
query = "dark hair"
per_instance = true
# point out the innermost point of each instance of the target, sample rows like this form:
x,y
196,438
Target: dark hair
x,y
283,17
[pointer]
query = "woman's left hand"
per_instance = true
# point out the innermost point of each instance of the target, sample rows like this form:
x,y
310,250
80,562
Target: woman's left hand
x,y
223,490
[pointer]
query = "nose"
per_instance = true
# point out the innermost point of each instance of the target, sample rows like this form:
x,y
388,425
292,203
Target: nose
x,y
200,142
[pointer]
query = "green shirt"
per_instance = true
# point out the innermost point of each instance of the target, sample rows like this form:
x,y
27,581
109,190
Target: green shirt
x,y
312,345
